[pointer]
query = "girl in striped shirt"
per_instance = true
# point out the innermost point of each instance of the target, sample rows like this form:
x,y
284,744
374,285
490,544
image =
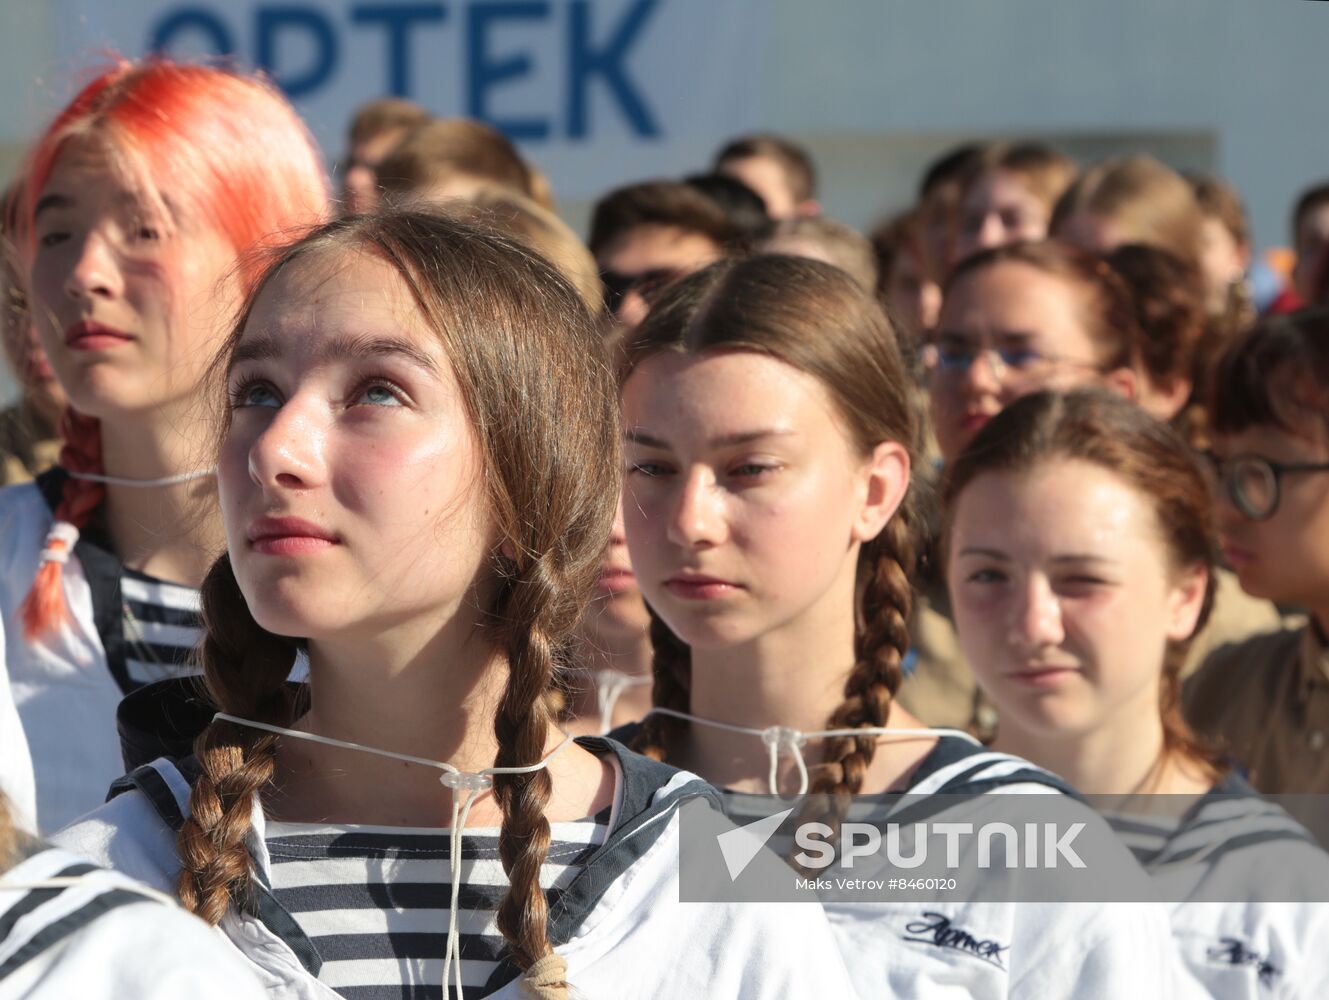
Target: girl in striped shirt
x,y
136,204
771,523
418,478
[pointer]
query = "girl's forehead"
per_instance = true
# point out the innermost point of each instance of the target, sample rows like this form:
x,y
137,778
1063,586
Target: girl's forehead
x,y
95,171
1058,497
719,381
337,292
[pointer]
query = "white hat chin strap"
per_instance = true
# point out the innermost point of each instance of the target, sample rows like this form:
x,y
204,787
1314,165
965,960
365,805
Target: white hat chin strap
x,y
609,688
472,783
786,738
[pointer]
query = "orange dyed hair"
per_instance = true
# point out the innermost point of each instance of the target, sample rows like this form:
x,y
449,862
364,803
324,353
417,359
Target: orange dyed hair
x,y
234,157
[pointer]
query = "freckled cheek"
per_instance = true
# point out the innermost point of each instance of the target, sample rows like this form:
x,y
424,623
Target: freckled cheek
x,y
404,482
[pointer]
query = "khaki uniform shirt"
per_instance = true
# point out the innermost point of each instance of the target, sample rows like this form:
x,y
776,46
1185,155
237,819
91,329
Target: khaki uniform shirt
x,y
1265,702
27,446
942,690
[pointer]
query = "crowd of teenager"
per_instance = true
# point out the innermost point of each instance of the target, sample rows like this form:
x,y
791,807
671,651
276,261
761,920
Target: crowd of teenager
x,y
384,569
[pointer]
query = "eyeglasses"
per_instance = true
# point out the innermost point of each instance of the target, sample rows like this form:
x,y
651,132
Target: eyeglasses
x,y
1008,363
650,285
1253,483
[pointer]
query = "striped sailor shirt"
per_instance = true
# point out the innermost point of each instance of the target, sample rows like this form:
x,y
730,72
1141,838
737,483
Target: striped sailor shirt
x,y
374,900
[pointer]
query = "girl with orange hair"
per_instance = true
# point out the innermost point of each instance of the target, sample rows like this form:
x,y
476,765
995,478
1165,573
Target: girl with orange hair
x,y
138,202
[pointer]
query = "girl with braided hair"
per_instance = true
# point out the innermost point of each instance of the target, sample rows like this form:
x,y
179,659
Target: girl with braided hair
x,y
1081,544
770,522
411,497
137,202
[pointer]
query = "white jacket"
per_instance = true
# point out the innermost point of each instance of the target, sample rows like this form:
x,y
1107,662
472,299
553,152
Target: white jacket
x,y
1242,877
103,938
62,685
952,946
618,924
16,781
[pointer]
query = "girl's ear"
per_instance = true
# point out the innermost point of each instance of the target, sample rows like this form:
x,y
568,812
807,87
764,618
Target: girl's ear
x,y
885,480
1185,602
1124,382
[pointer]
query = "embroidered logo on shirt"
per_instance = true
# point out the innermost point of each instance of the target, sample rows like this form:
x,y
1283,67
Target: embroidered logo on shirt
x,y
1230,951
936,929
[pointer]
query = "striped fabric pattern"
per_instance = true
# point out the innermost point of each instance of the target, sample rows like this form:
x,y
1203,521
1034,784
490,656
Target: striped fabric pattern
x,y
161,624
1230,819
374,900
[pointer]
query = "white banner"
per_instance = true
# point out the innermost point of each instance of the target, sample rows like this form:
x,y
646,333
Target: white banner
x,y
596,91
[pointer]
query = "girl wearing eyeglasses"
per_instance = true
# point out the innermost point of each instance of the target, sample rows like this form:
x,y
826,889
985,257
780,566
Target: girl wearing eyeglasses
x,y
1017,319
1024,317
1266,701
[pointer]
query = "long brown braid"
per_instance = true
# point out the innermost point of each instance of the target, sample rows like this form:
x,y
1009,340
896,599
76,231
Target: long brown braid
x,y
671,668
815,318
531,369
245,668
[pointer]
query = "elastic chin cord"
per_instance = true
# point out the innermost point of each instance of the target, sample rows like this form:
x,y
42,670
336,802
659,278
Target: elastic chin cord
x,y
779,738
473,783
609,687
184,477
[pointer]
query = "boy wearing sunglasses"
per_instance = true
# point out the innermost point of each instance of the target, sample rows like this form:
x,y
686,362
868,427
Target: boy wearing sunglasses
x,y
646,236
1265,701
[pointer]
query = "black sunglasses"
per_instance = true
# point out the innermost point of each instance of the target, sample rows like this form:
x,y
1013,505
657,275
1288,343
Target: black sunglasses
x,y
650,285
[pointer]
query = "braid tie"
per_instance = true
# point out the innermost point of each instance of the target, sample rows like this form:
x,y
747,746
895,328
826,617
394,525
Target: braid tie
x,y
60,542
45,606
547,979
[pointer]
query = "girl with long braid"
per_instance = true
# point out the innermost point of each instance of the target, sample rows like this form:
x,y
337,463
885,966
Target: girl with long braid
x,y
137,202
410,497
770,520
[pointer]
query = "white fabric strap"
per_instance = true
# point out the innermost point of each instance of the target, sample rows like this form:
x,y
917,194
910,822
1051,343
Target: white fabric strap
x,y
473,783
609,688
778,738
65,881
184,477
67,535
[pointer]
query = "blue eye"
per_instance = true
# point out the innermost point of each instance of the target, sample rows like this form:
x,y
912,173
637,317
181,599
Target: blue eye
x,y
380,395
253,393
957,356
1020,357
